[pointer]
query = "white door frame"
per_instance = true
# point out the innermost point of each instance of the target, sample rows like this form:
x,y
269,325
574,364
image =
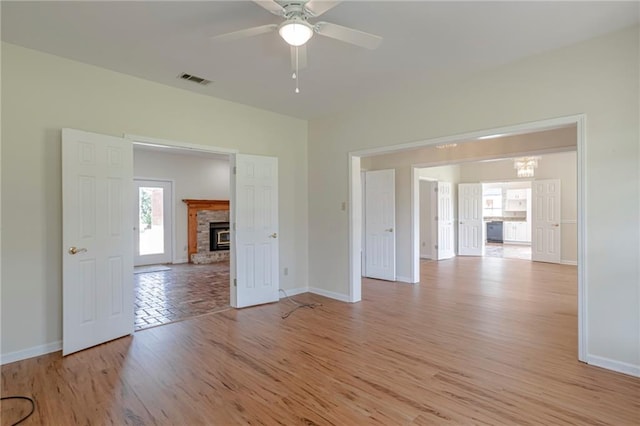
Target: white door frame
x,y
179,147
173,212
355,204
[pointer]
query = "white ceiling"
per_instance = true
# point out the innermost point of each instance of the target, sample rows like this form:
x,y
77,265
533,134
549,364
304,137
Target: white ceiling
x,y
423,42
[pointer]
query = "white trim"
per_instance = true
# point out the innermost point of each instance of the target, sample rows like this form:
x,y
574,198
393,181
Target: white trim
x,y
293,291
178,145
415,228
31,352
407,280
174,222
330,294
174,248
355,229
610,364
579,120
537,126
569,262
583,306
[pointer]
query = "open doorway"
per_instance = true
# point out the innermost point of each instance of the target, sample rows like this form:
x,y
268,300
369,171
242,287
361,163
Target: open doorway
x,y
494,208
153,222
493,144
506,213
182,244
98,279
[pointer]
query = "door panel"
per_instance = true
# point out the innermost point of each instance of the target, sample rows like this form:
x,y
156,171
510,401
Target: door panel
x,y
153,222
97,239
470,236
546,225
256,230
445,220
428,219
380,223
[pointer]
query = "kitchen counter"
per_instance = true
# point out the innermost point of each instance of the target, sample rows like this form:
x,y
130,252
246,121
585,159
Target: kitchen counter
x,y
504,219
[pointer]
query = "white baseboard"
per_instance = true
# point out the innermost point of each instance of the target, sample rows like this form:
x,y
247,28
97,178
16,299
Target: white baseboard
x,y
404,280
569,262
294,291
182,260
330,294
31,352
611,364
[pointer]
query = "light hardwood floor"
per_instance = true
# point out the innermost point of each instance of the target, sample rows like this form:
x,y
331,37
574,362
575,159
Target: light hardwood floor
x,y
479,341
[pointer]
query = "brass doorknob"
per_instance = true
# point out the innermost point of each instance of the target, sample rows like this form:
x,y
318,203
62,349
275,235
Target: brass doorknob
x,y
274,235
76,250
389,230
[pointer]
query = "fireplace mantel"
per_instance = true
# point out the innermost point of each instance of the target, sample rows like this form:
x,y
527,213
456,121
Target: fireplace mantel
x,y
193,207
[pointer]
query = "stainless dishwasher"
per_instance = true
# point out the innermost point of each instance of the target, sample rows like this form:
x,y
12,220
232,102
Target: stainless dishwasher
x,y
494,232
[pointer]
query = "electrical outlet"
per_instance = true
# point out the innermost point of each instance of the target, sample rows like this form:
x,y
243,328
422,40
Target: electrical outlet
x,y
286,271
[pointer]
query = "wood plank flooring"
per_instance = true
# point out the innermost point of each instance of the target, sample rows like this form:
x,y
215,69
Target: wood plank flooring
x,y
485,341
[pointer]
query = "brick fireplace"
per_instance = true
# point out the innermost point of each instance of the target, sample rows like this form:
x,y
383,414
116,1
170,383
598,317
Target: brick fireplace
x,y
203,217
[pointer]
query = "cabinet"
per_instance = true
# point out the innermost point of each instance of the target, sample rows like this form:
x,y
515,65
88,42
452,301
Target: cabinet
x,y
518,232
516,200
516,194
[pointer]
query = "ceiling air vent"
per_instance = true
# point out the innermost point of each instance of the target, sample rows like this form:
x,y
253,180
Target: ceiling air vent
x,y
193,78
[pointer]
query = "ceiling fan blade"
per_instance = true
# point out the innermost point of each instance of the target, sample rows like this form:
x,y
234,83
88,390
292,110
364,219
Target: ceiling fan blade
x,y
249,32
318,7
271,6
348,35
302,57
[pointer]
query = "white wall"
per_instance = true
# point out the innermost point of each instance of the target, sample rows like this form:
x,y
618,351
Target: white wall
x,y
44,93
598,78
551,166
194,177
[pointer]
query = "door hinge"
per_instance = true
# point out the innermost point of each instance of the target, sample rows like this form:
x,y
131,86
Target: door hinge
x,y
235,282
235,169
436,218
435,189
435,247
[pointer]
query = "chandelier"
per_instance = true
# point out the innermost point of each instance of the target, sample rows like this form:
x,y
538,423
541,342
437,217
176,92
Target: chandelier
x,y
525,166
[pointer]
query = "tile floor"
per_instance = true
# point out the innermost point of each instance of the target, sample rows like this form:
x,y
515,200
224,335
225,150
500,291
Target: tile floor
x,y
512,251
184,291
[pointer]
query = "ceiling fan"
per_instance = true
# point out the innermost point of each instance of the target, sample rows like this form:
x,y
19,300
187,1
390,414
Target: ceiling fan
x,y
296,29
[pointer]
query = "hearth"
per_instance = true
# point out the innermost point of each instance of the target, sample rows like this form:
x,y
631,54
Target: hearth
x,y
219,238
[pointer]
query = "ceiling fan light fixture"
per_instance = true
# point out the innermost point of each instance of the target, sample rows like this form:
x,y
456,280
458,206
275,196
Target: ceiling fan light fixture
x,y
296,31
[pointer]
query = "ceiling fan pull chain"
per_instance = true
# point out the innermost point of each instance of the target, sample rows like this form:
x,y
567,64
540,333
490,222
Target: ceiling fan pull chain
x,y
295,71
295,74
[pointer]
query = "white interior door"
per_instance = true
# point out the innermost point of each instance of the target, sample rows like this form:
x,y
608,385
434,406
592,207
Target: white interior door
x,y
470,241
428,219
153,222
97,238
445,246
256,230
545,224
380,224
